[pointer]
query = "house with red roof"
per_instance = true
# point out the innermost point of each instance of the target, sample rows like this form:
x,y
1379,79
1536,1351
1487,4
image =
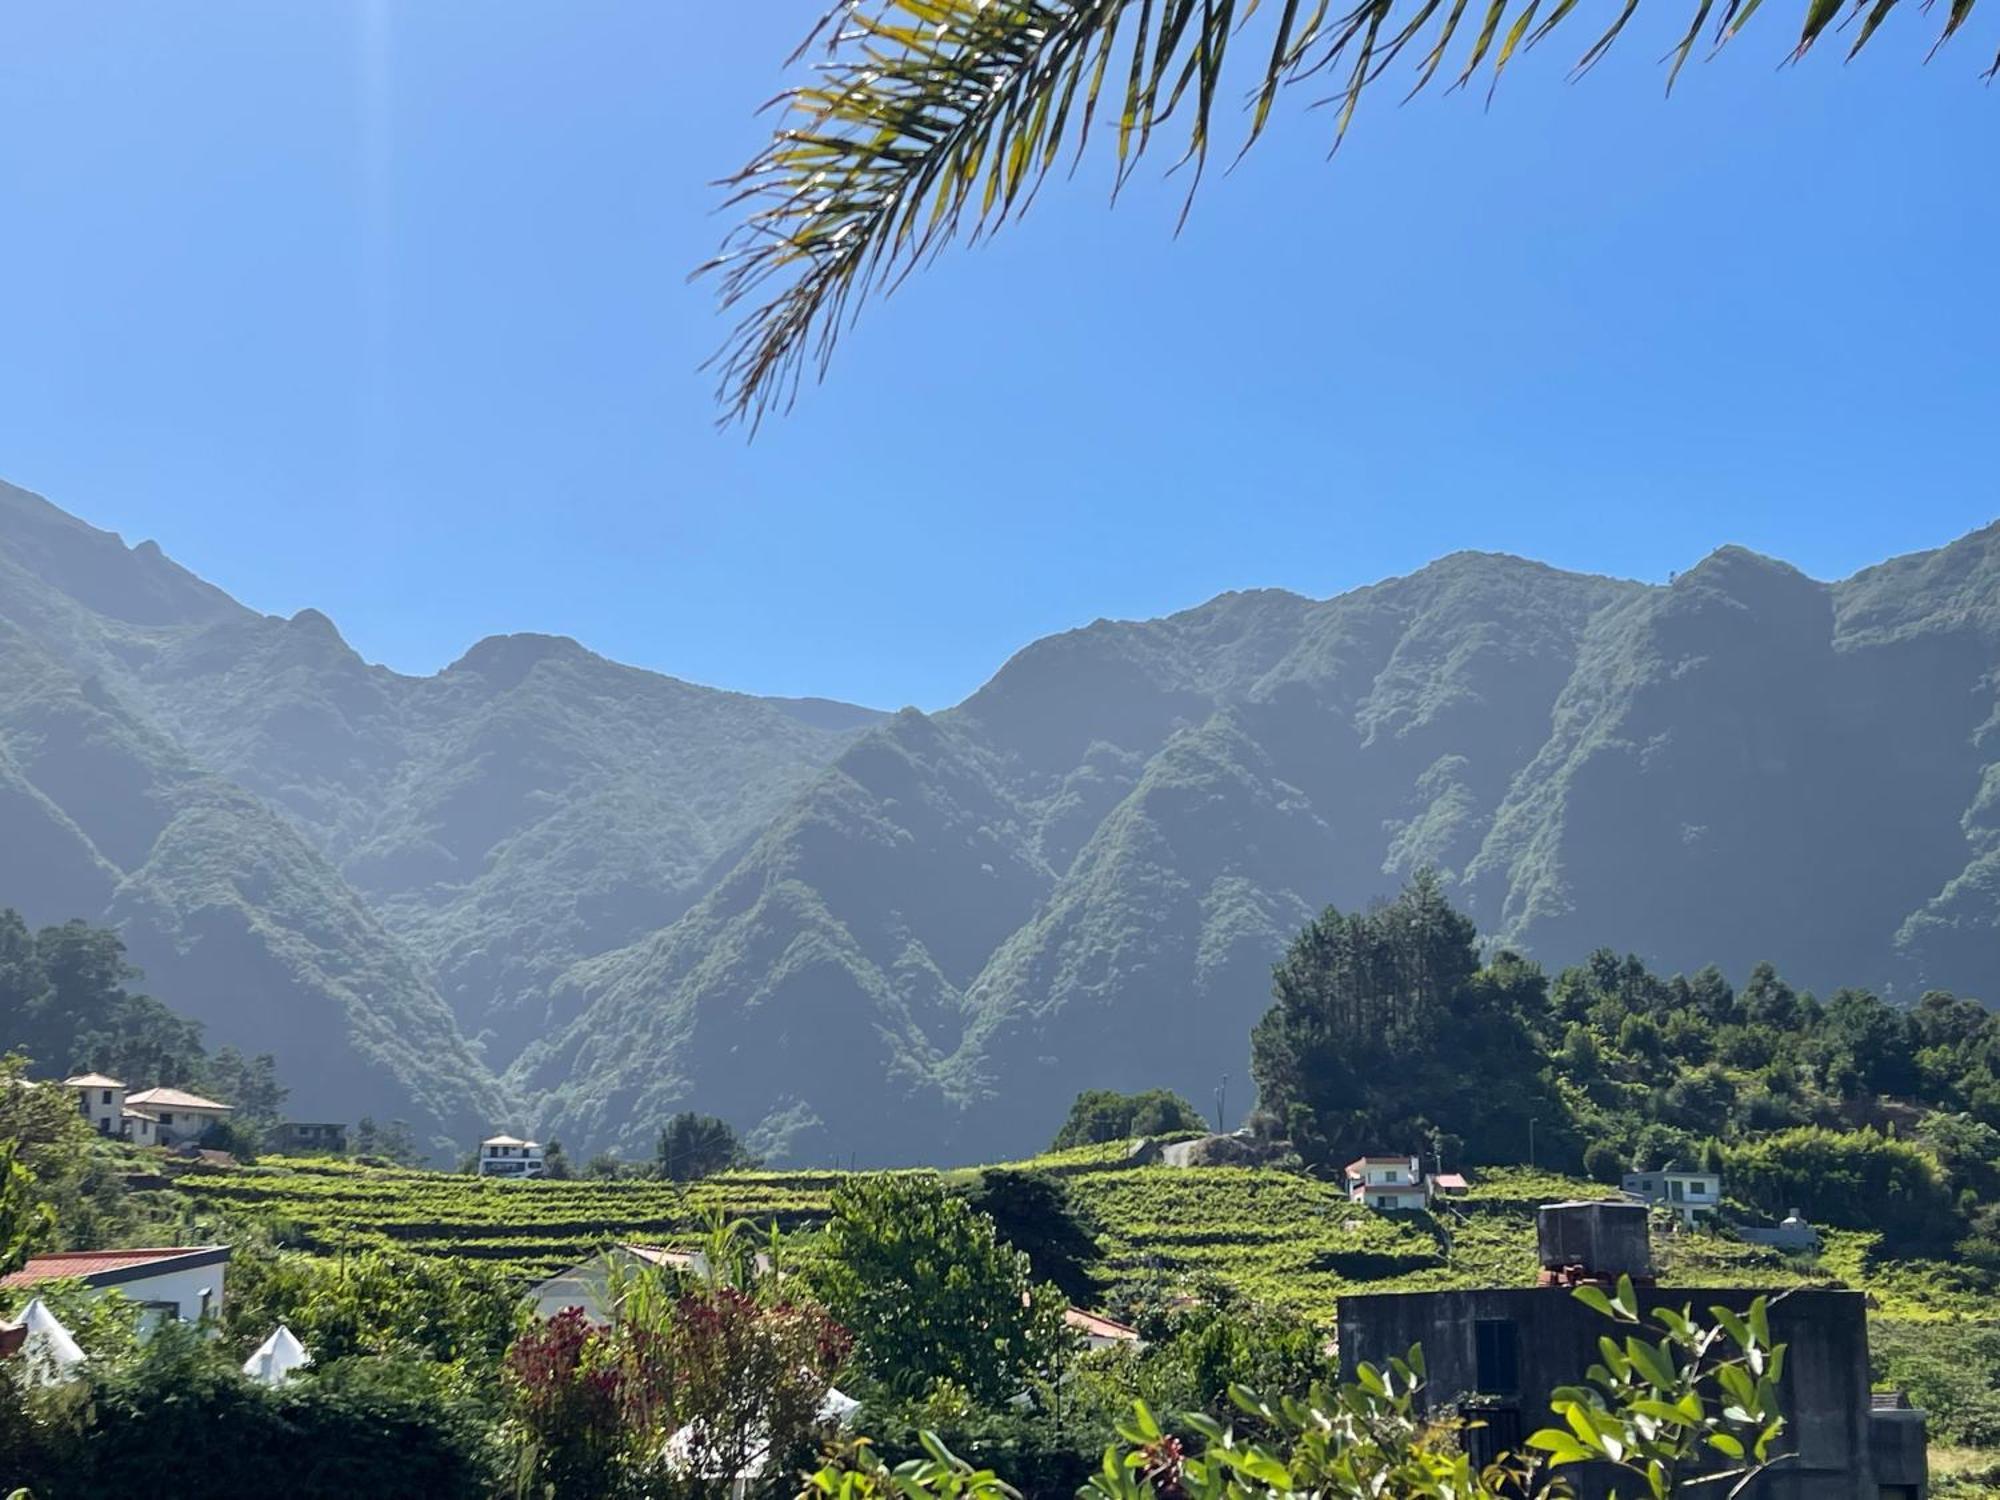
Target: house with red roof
x,y
177,1284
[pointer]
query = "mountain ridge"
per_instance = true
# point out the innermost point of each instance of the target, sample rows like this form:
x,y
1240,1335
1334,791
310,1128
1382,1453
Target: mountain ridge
x,y
912,936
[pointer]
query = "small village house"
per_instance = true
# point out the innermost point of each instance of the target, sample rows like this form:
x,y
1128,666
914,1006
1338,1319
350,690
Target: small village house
x,y
1393,1184
181,1284
1100,1332
179,1117
509,1156
101,1101
307,1138
151,1117
1688,1194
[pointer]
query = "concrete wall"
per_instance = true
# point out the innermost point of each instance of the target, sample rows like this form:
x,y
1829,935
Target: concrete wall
x,y
1826,1367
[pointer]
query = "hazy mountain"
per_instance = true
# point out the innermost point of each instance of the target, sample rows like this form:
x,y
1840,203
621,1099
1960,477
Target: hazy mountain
x,y
916,937
468,835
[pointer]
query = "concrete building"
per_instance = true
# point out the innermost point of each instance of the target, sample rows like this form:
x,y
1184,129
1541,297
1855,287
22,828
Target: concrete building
x,y
1795,1236
180,1284
1689,1194
509,1156
307,1138
101,1101
1393,1184
1507,1349
179,1117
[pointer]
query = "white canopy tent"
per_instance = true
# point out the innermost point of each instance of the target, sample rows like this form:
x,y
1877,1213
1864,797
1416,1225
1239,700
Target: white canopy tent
x,y
51,1354
278,1358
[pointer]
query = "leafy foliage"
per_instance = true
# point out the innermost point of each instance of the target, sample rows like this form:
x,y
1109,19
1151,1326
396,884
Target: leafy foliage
x,y
693,1146
1036,1214
926,119
685,1390
929,1292
1107,1115
1387,1034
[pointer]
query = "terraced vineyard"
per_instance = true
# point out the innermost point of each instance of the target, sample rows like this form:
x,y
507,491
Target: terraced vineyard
x,y
1276,1238
532,1229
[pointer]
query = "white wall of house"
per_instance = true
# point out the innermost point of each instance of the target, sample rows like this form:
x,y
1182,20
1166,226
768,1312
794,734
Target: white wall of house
x,y
175,1296
103,1108
180,1125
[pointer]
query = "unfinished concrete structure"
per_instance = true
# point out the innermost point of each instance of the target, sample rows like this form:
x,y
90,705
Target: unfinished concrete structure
x,y
1508,1349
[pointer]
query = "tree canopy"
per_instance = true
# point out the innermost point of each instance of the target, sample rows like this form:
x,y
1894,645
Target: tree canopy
x,y
1388,1035
930,1293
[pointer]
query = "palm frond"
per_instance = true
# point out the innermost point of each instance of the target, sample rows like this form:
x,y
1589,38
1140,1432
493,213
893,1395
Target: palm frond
x,y
930,118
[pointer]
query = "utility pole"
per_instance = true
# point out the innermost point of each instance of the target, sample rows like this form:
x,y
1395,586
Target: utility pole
x,y
1531,1140
1221,1094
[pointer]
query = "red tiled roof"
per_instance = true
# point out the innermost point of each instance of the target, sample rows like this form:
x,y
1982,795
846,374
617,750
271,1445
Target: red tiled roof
x,y
1097,1325
83,1263
1450,1180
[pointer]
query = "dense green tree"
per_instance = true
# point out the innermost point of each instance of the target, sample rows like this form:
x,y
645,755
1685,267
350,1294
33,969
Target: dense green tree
x,y
929,1291
1386,1030
1858,1179
64,1001
693,1146
1100,1115
1035,1213
25,1221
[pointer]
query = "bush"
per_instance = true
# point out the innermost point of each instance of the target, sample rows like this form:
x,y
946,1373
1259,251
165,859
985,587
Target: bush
x,y
1602,1163
1100,1115
1853,1179
182,1408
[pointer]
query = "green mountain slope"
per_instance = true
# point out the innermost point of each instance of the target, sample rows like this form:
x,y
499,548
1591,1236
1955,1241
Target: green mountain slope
x,y
530,806
1746,763
914,938
224,906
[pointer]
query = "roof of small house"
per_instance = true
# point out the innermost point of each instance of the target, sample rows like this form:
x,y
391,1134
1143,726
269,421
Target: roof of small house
x,y
1451,1182
1401,1159
1096,1325
140,1114
91,1081
509,1140
178,1099
110,1267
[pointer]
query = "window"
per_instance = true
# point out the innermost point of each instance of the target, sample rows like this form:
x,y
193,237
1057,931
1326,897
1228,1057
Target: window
x,y
1496,1347
166,1118
1676,1189
107,1096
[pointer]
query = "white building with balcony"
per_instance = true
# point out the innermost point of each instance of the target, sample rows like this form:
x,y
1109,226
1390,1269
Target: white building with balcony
x,y
509,1156
1393,1184
1688,1194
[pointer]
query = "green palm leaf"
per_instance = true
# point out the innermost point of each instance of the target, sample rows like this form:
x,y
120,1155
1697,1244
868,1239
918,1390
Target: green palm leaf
x,y
928,118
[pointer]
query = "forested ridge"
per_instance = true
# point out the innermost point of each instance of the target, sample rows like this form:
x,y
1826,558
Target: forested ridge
x,y
545,891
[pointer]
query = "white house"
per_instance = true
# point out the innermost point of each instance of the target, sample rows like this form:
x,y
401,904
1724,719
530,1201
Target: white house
x,y
1690,1194
182,1284
1100,1332
101,1100
1394,1184
507,1156
174,1115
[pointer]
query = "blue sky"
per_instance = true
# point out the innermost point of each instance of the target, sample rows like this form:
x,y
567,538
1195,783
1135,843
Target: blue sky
x,y
380,307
